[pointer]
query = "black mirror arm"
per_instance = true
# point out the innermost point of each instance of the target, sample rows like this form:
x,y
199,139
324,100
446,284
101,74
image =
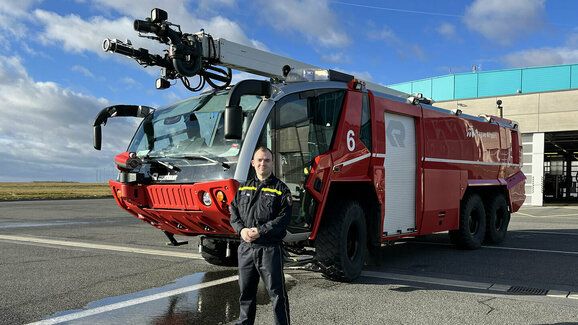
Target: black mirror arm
x,y
114,111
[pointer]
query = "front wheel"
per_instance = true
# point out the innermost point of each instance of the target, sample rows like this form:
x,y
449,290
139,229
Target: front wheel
x,y
472,229
341,243
215,252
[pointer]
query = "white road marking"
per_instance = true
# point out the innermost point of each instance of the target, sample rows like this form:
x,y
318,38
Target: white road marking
x,y
558,294
548,232
132,302
456,283
548,216
56,223
500,247
427,279
157,252
524,214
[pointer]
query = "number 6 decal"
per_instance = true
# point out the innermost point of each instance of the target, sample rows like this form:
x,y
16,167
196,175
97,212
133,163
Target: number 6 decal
x,y
350,140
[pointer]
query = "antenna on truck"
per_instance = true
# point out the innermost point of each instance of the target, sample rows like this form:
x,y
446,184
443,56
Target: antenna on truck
x,y
184,57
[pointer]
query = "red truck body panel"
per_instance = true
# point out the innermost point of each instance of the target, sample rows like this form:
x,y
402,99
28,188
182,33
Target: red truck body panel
x,y
453,154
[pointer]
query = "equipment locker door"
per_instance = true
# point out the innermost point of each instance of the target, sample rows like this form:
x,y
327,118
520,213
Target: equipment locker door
x,y
400,174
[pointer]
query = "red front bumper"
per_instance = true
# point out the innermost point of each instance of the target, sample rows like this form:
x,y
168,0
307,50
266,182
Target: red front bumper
x,y
178,208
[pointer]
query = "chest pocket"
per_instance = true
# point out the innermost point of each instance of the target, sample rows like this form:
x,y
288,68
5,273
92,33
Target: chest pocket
x,y
244,201
266,206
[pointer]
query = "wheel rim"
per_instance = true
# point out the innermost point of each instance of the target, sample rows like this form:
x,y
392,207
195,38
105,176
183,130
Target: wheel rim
x,y
500,217
474,223
352,242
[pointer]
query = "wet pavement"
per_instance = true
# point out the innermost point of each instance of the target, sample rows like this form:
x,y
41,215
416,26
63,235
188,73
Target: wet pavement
x,y
216,304
63,259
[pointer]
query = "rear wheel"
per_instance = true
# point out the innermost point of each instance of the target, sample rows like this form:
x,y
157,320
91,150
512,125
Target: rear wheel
x,y
498,215
215,252
341,243
472,230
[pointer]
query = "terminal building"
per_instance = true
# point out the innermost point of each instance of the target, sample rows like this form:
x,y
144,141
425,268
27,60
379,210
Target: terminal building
x,y
544,100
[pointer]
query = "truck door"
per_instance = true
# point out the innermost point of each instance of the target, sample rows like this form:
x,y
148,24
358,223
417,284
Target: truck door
x,y
400,174
303,128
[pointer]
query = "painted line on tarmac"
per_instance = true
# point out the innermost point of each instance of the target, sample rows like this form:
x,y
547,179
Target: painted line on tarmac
x,y
456,283
500,247
157,252
132,302
548,216
48,224
547,232
524,214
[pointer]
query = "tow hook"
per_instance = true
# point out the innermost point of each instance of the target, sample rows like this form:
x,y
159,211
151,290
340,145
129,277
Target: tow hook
x,y
173,241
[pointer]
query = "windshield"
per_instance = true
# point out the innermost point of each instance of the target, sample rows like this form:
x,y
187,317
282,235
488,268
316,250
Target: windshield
x,y
192,130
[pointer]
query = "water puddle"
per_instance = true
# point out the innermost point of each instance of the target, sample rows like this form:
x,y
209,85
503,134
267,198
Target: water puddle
x,y
216,304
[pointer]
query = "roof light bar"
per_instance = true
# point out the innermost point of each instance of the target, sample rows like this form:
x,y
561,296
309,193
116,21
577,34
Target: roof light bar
x,y
298,75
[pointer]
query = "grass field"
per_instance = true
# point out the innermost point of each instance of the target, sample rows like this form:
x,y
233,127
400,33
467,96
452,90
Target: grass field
x,y
52,190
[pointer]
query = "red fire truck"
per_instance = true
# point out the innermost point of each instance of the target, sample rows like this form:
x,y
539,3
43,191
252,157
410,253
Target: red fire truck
x,y
366,165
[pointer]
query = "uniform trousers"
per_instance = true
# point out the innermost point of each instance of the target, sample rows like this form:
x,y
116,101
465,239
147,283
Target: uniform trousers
x,y
265,262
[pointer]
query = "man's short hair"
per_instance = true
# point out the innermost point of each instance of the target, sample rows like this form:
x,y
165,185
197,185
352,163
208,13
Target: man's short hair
x,y
263,148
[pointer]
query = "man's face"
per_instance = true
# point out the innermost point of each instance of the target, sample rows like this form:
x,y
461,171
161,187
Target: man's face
x,y
263,164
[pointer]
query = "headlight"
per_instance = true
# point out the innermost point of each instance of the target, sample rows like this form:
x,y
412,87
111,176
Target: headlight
x,y
207,199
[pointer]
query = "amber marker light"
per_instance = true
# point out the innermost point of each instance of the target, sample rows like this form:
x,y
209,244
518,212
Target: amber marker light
x,y
221,197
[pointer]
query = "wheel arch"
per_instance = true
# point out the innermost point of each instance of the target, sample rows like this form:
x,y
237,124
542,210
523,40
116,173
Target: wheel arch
x,y
364,194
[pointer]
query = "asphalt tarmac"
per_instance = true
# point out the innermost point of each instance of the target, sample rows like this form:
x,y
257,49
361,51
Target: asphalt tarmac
x,y
88,262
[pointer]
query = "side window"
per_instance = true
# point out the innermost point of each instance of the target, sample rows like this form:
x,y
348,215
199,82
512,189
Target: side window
x,y
304,128
366,122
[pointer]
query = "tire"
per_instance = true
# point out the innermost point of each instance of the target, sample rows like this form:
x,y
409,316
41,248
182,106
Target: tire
x,y
214,252
498,219
472,229
341,242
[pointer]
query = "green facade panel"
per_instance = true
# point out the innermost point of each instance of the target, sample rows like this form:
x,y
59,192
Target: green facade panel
x,y
443,88
574,76
497,83
422,86
403,87
466,86
494,83
545,79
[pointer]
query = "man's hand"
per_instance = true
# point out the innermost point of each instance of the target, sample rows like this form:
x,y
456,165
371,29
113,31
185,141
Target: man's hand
x,y
249,234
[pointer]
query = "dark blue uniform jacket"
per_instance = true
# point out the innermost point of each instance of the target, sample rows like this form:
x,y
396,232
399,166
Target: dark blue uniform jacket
x,y
264,205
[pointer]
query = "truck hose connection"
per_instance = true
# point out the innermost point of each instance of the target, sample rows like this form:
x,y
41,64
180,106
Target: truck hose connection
x,y
182,59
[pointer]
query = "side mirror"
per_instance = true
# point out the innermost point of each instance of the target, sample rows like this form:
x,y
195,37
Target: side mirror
x,y
97,138
233,110
113,111
233,122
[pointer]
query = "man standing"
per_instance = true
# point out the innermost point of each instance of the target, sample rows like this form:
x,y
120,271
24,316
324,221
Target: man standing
x,y
260,214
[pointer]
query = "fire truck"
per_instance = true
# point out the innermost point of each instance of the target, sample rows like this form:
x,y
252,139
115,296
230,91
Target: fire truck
x,y
366,165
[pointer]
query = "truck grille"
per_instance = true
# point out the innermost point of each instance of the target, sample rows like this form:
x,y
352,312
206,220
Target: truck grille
x,y
168,197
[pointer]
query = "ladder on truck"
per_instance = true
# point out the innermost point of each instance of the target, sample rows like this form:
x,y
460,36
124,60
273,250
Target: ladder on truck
x,y
199,54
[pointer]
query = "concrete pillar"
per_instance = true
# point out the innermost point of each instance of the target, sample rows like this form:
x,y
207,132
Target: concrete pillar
x,y
535,171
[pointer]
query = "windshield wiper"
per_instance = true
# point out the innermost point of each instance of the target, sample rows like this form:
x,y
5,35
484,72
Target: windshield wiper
x,y
216,161
170,166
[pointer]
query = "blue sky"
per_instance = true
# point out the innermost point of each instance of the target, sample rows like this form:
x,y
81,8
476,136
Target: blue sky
x,y
54,77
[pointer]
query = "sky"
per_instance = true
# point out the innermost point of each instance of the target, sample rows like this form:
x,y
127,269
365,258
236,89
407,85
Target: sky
x,y
55,78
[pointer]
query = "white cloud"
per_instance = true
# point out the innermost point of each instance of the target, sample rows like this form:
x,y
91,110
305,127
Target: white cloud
x,y
403,49
313,19
82,70
79,35
504,21
338,57
542,56
447,30
13,18
46,130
